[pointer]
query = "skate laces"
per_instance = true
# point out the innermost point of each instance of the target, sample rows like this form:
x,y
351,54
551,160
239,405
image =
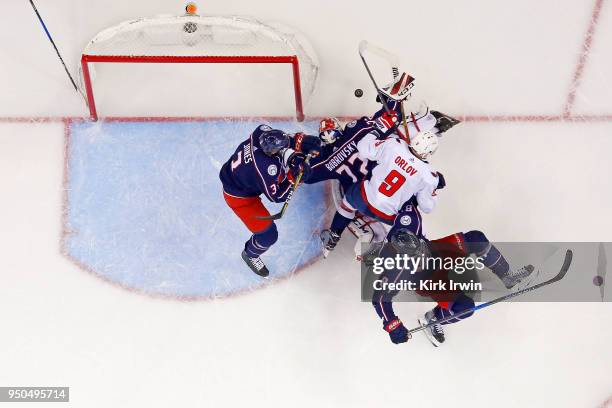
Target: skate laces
x,y
522,272
333,240
437,328
258,263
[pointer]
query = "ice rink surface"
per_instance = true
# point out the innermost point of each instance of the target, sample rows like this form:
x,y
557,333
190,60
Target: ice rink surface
x,y
530,163
144,208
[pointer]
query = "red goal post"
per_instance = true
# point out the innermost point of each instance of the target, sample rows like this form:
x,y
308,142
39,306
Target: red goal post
x,y
250,59
193,39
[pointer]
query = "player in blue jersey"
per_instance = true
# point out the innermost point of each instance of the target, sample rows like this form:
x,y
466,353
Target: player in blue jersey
x,y
340,159
266,163
405,237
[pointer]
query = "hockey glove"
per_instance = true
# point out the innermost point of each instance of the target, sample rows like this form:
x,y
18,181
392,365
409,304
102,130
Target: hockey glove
x,y
307,144
401,87
386,122
297,163
397,331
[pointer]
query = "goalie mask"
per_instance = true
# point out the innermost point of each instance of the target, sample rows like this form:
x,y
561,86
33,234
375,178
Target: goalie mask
x,y
273,141
329,130
424,144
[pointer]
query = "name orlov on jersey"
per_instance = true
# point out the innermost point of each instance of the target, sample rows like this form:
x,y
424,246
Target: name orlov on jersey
x,y
403,164
341,155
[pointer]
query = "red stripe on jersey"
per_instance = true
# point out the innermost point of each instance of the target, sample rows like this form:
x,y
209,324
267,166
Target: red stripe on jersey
x,y
374,209
398,85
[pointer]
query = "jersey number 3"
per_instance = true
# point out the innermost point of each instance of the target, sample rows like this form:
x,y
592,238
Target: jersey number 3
x,y
392,183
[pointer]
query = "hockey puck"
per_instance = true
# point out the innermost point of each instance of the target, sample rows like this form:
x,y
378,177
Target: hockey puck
x,y
598,280
358,93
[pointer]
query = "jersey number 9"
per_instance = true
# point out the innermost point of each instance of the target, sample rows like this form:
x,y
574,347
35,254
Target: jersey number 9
x,y
392,183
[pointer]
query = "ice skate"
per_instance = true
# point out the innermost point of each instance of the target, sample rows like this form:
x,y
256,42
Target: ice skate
x,y
329,239
434,333
444,122
256,265
514,277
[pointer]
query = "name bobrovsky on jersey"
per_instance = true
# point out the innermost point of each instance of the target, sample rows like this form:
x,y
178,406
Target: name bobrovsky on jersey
x,y
338,158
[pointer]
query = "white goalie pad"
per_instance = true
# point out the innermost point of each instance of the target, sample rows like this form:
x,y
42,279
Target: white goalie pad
x,y
368,231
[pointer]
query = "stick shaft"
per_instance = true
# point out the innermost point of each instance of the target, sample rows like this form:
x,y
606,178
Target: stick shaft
x,y
564,268
296,183
380,94
294,187
44,26
393,60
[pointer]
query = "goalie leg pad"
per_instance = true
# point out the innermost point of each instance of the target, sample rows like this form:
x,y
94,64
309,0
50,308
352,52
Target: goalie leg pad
x,y
370,234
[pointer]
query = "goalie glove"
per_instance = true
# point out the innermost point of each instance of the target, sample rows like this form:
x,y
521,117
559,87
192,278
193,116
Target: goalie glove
x,y
401,87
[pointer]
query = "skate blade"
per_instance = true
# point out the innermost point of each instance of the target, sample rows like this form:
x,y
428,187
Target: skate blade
x,y
428,335
325,253
262,274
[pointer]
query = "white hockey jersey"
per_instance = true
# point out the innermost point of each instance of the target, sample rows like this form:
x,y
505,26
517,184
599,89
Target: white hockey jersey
x,y
398,176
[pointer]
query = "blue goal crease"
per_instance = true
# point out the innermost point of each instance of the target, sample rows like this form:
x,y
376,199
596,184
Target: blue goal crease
x,y
145,208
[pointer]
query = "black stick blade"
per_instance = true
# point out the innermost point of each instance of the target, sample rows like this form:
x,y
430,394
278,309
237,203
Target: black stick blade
x,y
569,255
272,217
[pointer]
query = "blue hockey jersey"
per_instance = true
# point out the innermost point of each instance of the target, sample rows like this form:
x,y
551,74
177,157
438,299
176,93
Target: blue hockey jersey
x,y
250,172
340,160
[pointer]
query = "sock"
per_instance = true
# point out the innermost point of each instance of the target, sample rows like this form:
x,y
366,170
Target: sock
x,y
261,241
478,244
339,223
461,303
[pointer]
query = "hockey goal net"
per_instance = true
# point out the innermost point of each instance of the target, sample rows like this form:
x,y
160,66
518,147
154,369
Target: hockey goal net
x,y
193,39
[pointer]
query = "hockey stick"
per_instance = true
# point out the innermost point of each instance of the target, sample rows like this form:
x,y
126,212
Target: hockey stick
x,y
394,62
564,268
294,187
54,46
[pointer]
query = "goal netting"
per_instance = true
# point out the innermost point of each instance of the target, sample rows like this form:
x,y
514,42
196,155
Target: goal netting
x,y
193,39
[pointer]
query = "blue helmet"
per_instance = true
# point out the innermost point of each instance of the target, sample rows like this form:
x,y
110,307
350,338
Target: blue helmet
x,y
404,241
273,141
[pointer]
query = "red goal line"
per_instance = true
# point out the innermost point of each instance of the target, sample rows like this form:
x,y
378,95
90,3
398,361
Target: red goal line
x,y
464,118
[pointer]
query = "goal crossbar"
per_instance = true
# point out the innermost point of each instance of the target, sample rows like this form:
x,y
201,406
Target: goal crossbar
x,y
234,59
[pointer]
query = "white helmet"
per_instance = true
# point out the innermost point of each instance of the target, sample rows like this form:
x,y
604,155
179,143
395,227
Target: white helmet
x,y
424,144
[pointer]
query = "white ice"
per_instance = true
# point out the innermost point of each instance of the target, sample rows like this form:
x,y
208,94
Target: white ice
x,y
309,341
